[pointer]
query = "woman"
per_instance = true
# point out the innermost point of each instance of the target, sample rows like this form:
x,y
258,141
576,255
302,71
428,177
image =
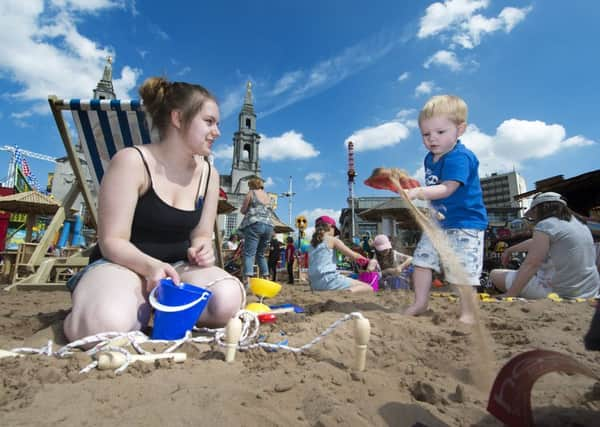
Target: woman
x,y
157,205
559,235
257,227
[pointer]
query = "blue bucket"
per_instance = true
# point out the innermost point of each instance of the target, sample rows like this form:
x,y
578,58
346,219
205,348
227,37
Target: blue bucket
x,y
178,308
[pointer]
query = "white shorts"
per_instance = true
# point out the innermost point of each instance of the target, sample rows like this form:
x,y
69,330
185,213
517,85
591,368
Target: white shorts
x,y
468,247
535,289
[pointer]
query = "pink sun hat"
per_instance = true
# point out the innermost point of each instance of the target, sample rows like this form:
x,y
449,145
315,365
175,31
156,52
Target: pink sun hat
x,y
381,242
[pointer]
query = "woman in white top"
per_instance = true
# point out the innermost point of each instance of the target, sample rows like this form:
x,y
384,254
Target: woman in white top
x,y
559,235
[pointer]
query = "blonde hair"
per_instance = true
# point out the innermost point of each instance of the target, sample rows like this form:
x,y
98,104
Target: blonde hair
x,y
161,96
256,184
450,106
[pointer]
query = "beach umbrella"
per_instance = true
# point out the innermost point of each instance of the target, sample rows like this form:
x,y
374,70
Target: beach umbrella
x,y
224,207
279,226
32,203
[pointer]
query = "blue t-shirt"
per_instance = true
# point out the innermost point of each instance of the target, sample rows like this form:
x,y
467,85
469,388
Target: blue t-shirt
x,y
464,208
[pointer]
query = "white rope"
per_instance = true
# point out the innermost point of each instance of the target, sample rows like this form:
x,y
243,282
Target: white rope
x,y
105,341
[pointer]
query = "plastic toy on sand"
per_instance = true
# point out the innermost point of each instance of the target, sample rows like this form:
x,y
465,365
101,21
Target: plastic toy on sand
x,y
178,308
392,179
262,288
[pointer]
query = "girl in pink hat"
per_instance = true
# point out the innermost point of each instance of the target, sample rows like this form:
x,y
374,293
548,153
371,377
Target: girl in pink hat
x,y
322,270
390,262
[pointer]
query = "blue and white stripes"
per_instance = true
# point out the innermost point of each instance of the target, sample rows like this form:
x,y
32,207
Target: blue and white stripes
x,y
106,126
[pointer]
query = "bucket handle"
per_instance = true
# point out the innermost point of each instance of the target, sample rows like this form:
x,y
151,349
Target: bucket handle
x,y
205,296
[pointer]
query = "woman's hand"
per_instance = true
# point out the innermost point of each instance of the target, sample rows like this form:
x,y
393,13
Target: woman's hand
x,y
159,271
201,253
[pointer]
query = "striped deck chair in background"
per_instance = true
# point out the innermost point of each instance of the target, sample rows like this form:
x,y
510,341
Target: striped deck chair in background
x,y
104,127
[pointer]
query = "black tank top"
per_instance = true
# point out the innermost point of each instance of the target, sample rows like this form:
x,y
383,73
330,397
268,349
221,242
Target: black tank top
x,y
160,230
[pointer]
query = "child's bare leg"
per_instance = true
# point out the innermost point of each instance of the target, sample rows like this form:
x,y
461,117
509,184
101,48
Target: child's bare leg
x,y
358,286
468,303
422,284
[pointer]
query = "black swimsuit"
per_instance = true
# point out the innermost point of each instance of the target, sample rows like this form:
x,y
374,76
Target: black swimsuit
x,y
160,230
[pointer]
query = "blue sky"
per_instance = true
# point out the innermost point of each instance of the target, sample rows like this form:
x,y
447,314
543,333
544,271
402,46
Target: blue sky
x,y
324,72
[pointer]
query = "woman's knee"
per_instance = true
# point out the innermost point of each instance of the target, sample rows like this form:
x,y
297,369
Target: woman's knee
x,y
498,279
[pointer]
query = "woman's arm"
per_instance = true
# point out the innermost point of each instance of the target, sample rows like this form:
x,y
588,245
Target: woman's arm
x,y
201,250
538,250
121,187
433,192
246,202
398,269
519,247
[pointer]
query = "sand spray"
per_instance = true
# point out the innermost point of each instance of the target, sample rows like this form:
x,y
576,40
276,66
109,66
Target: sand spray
x,y
483,358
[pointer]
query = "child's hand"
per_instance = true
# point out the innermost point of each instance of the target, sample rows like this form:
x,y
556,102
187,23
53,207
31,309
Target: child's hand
x,y
362,261
415,193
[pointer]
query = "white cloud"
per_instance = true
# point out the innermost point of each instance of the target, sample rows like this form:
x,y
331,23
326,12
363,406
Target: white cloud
x,y
444,58
374,138
403,76
403,114
301,84
439,16
290,145
314,179
425,88
517,141
269,182
286,82
185,70
223,152
232,100
39,47
312,215
458,18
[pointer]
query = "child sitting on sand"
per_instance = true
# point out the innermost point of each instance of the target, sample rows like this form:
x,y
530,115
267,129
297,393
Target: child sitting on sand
x,y
322,271
390,262
452,178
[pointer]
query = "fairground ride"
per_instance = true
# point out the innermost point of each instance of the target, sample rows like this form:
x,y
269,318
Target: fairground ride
x,y
18,159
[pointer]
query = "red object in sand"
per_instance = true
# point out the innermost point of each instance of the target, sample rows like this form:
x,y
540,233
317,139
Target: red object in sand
x,y
267,318
387,179
437,283
510,398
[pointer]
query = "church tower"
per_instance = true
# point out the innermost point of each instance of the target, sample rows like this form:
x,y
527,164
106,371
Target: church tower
x,y
245,144
105,89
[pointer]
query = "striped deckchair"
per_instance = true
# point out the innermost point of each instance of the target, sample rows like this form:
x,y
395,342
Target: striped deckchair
x,y
104,126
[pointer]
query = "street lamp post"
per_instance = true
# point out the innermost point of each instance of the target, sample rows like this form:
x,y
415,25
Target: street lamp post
x,y
289,194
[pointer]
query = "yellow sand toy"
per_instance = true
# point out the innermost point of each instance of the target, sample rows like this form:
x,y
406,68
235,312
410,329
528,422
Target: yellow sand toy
x,y
262,288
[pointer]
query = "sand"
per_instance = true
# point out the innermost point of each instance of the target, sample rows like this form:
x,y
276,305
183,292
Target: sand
x,y
420,371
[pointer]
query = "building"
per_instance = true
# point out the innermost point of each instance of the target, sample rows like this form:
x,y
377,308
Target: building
x,y
499,191
582,192
245,164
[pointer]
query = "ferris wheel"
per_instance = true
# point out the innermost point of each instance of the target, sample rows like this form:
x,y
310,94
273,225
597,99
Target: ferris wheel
x,y
18,159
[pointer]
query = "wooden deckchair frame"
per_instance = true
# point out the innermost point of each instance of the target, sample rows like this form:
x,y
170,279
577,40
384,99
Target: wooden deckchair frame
x,y
57,106
38,262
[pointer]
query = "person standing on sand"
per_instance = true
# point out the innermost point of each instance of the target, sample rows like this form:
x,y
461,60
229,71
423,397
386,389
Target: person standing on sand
x,y
156,208
290,255
452,185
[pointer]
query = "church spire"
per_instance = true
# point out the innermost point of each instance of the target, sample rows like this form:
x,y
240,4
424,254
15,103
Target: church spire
x,y
246,140
105,89
248,97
